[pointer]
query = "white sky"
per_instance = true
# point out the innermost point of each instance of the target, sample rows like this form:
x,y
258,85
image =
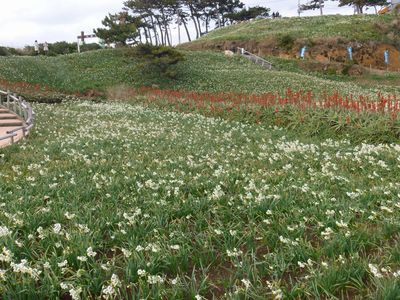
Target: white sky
x,y
24,21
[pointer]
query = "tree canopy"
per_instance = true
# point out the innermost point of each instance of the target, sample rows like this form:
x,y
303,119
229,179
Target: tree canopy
x,y
121,29
361,4
312,5
248,14
150,21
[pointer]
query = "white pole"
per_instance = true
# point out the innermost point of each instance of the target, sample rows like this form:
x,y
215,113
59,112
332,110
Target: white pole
x,y
320,7
179,27
79,47
298,8
219,20
179,34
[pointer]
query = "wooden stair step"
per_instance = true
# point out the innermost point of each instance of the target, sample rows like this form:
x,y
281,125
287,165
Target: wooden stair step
x,y
8,116
4,111
11,123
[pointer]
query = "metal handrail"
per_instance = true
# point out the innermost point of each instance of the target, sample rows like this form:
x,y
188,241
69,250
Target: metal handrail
x,y
22,109
256,59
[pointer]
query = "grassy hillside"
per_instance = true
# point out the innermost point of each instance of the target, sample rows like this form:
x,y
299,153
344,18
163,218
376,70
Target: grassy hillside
x,y
369,28
201,71
370,79
190,195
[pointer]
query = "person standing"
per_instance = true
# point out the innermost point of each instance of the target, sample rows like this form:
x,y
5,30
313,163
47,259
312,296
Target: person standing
x,y
46,48
36,46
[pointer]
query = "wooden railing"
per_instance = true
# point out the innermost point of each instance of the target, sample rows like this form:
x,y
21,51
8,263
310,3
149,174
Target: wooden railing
x,y
256,59
21,108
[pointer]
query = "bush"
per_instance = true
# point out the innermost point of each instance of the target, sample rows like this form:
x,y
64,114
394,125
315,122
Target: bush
x,y
7,51
286,41
347,67
90,47
161,59
61,48
3,51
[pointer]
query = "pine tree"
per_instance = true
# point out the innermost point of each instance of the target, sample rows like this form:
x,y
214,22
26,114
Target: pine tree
x,y
359,5
121,29
312,5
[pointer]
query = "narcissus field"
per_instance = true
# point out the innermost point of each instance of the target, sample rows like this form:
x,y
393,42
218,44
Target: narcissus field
x,y
231,182
129,200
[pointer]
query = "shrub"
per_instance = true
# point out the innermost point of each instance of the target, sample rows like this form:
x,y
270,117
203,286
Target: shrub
x,y
67,48
7,51
286,41
90,47
62,48
3,51
346,68
158,58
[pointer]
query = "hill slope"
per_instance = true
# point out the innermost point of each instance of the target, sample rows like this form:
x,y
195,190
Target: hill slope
x,y
201,71
369,28
326,37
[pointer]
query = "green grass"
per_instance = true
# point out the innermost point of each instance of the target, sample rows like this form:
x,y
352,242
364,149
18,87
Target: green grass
x,y
136,200
215,208
320,27
388,81
201,71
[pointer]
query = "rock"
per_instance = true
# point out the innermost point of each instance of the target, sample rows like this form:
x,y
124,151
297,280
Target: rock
x,y
356,70
229,53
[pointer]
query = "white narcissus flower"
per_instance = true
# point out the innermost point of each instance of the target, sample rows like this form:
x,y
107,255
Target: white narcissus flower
x,y
115,280
90,252
2,275
126,252
4,231
57,228
75,293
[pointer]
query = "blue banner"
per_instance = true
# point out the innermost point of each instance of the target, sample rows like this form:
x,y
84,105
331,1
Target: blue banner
x,y
350,51
303,52
386,56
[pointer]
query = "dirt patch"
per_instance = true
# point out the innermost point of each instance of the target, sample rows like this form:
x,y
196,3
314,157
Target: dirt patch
x,y
217,275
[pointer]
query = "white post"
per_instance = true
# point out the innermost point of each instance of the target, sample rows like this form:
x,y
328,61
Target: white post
x,y
79,46
179,33
219,20
298,8
179,26
320,7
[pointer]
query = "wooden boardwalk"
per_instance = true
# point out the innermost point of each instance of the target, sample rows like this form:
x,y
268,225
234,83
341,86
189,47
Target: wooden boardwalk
x,y
9,121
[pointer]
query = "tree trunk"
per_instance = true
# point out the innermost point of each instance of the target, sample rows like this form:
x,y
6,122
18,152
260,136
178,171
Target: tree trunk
x,y
145,35
140,35
153,25
167,39
149,35
192,16
159,24
199,25
320,7
165,25
187,30
161,35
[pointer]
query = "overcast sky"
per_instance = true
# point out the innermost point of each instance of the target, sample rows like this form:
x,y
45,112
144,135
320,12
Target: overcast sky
x,y
24,21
